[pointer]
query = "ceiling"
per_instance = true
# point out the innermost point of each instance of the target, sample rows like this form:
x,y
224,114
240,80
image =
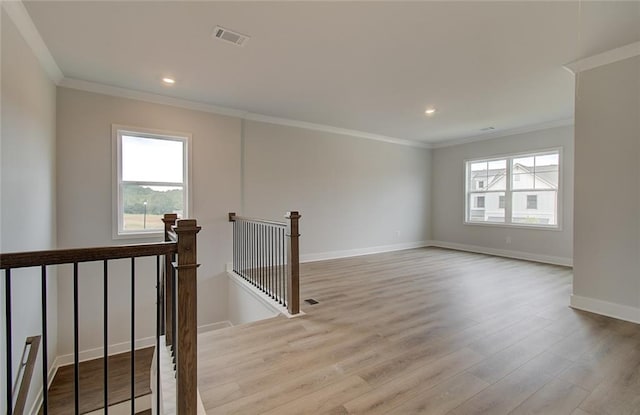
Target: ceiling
x,y
368,66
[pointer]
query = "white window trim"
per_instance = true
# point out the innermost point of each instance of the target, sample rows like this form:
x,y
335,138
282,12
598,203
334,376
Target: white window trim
x,y
117,131
506,224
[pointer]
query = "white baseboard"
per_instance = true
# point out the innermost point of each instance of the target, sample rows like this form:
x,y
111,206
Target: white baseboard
x,y
547,259
322,256
214,326
619,311
98,352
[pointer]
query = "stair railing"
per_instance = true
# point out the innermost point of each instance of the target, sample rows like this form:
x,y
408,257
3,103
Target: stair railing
x,y
266,254
180,243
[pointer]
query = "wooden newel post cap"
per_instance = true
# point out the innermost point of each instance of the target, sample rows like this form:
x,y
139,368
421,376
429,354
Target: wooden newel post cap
x,y
232,216
294,214
170,218
186,225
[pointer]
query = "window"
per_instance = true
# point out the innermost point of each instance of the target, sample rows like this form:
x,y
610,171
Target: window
x,y
519,189
151,178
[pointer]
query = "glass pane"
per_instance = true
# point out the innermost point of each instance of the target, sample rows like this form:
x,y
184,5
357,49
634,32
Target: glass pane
x,y
548,160
527,162
144,206
486,207
547,171
535,208
477,167
546,179
151,160
522,179
478,176
497,175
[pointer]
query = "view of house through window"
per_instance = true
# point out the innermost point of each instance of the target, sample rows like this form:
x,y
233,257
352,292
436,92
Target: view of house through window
x,y
152,171
518,189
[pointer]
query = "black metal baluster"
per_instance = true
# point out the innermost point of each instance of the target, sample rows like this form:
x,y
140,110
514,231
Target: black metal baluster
x,y
158,323
284,268
270,259
278,266
76,351
261,258
243,239
253,253
235,245
133,350
174,317
7,303
45,358
105,334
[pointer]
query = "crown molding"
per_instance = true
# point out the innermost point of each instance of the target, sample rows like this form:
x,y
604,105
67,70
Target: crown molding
x,y
334,130
20,17
199,106
503,133
115,91
605,58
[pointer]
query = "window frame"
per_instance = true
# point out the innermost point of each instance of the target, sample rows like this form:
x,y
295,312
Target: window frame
x,y
117,131
509,189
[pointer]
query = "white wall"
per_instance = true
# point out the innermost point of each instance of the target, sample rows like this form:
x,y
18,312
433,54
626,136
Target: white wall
x,y
607,190
353,193
27,198
84,207
448,193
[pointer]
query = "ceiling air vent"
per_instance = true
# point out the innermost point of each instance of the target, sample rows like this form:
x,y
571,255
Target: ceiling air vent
x,y
230,36
487,128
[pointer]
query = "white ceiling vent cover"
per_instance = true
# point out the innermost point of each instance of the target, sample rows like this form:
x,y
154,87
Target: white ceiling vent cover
x,y
230,36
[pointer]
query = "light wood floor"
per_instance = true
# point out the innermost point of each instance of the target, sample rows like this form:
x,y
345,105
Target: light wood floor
x,y
426,331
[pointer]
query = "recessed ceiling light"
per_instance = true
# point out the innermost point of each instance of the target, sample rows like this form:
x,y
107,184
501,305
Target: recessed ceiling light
x,y
430,111
168,81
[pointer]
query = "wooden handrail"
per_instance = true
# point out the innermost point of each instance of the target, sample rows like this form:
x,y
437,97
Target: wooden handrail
x,y
68,256
233,217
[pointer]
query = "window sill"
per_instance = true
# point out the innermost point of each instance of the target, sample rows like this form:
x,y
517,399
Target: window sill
x,y
139,235
557,228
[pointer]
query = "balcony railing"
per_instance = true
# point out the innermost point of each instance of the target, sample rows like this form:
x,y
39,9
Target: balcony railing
x,y
266,253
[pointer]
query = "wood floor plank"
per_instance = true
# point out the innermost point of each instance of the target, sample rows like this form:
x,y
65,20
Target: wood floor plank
x,y
505,395
396,391
443,397
325,399
618,394
555,398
